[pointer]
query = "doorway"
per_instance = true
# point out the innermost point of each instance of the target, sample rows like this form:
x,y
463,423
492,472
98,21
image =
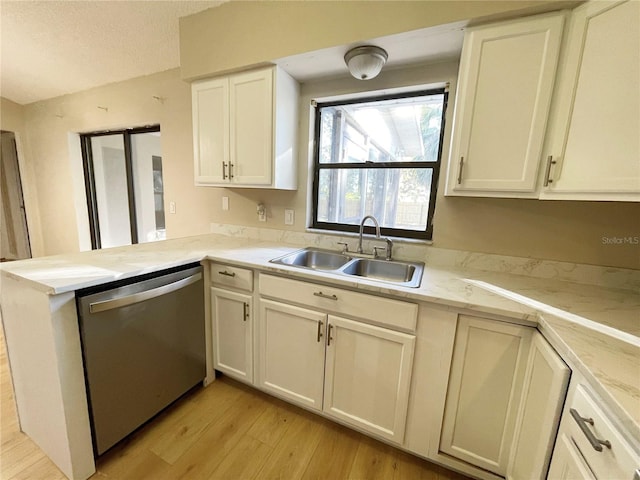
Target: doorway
x,y
14,233
124,185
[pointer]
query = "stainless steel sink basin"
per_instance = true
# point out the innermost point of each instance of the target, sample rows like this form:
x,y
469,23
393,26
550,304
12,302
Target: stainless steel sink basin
x,y
405,274
388,271
315,259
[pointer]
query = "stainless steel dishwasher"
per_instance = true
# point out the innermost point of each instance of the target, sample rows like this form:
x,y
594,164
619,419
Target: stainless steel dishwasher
x,y
143,344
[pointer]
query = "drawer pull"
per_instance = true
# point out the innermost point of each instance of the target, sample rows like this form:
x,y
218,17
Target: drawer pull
x,y
596,443
319,331
228,274
324,295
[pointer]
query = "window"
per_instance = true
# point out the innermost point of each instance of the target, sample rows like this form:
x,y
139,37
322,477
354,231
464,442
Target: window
x,y
123,180
379,156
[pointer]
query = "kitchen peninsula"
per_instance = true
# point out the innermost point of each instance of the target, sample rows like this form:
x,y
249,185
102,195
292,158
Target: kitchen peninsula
x,y
589,315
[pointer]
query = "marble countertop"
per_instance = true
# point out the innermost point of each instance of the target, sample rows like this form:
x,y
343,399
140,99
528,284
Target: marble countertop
x,y
596,326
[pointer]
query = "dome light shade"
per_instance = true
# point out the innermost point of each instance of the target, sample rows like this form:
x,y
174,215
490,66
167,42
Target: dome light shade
x,y
365,62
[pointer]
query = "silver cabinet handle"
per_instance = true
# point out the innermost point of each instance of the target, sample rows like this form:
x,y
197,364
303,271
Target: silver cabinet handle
x,y
324,295
230,170
329,337
228,274
96,307
547,173
319,336
245,311
596,443
224,170
460,170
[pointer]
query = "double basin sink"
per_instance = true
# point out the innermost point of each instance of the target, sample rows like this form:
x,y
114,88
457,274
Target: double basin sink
x,y
404,274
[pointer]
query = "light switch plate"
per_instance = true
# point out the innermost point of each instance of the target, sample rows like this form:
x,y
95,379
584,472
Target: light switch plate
x,y
172,207
225,203
288,217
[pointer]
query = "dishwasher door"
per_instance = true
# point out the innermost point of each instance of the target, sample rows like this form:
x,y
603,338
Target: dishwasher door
x,y
143,347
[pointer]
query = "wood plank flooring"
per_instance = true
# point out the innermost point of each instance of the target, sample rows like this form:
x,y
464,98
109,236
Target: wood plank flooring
x,y
224,431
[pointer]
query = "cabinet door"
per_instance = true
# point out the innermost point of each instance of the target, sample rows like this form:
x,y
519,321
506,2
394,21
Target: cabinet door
x,y
567,463
485,383
210,104
594,125
291,352
544,391
252,127
232,333
367,376
506,80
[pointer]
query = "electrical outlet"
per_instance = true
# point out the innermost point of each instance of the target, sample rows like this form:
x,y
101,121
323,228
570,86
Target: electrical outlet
x,y
262,213
172,207
225,203
288,217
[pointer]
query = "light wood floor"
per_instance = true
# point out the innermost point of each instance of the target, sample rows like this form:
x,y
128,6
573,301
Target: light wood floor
x,y
224,431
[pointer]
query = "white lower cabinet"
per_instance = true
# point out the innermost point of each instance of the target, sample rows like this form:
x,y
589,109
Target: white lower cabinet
x,y
367,376
591,444
351,370
506,390
568,463
232,333
291,358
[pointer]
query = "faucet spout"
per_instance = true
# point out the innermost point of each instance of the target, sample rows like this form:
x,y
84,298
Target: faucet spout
x,y
375,222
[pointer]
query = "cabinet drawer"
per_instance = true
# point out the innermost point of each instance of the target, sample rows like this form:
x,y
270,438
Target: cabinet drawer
x,y
618,461
378,310
240,278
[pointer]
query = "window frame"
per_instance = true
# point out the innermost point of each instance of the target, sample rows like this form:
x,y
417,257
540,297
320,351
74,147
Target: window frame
x,y
427,233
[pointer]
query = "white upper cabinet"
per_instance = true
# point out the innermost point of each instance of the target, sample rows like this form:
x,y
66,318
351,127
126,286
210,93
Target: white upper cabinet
x,y
210,130
507,71
593,138
244,130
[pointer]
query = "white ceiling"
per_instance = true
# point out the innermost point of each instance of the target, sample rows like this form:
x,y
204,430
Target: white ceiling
x,y
51,48
56,47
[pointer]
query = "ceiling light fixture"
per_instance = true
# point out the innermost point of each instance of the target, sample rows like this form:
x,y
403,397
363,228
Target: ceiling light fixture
x,y
365,62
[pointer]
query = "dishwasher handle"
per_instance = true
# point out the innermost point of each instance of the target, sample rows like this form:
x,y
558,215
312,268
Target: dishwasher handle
x,y
104,305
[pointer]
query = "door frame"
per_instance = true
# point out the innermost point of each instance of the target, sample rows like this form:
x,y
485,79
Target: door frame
x,y
90,185
22,208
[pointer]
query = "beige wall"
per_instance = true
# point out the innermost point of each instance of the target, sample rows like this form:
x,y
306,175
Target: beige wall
x,y
223,39
53,124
